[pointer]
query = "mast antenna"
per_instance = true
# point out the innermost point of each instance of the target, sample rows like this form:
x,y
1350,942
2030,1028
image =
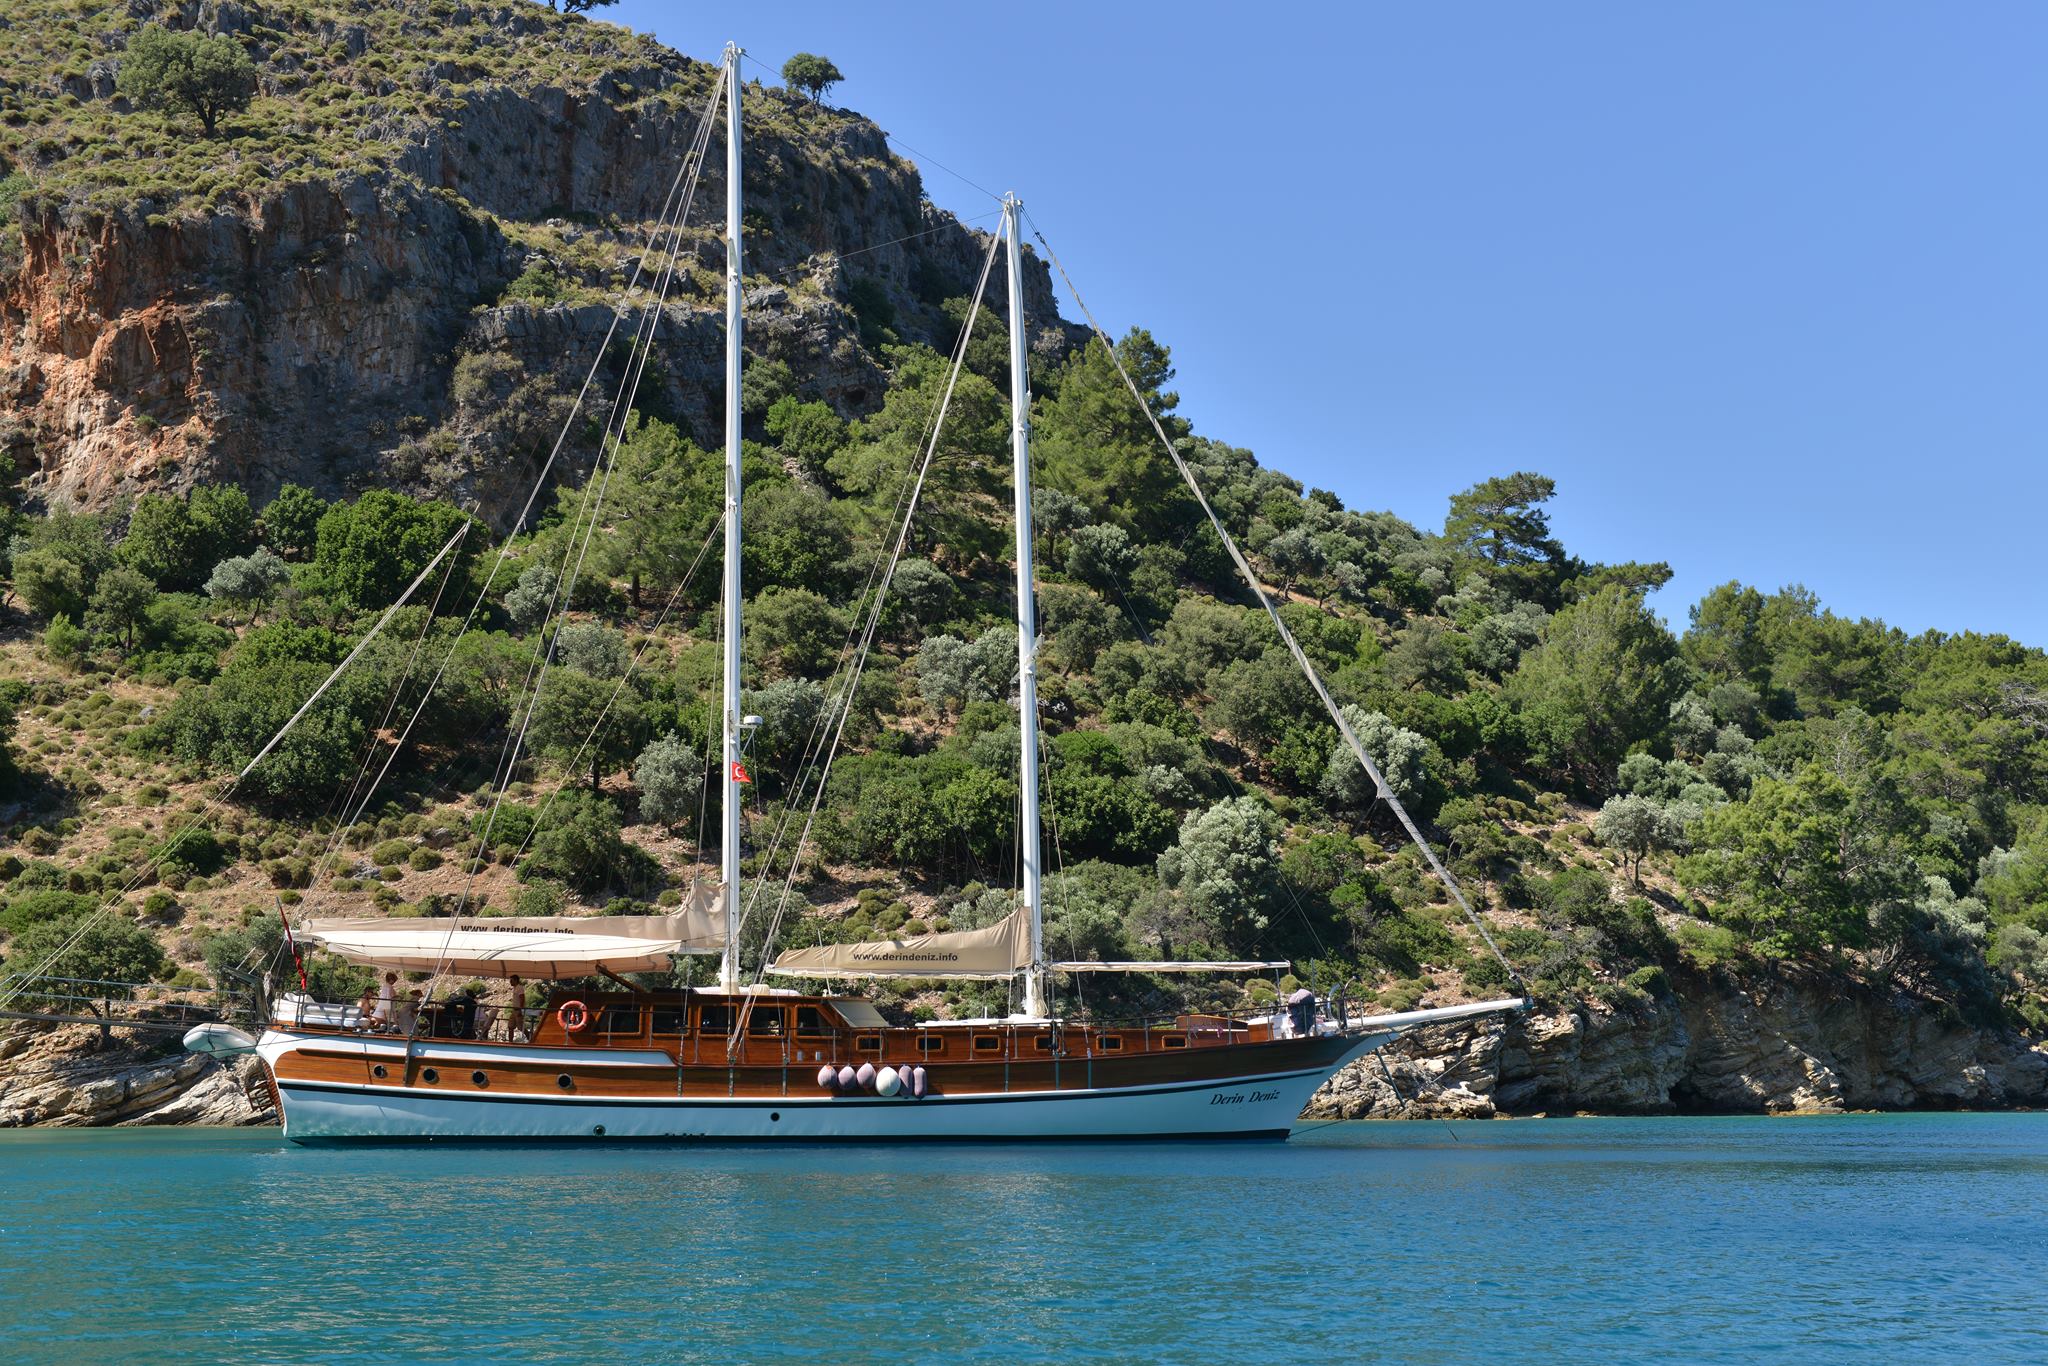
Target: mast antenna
x,y
729,854
1027,624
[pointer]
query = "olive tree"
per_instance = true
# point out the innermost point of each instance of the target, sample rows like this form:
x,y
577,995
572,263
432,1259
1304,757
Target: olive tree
x,y
670,776
813,75
186,72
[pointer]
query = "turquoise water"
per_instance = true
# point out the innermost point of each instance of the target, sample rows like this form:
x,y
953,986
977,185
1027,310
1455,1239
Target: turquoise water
x,y
1806,1239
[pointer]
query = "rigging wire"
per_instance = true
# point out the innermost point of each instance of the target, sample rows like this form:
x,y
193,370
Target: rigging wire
x,y
561,596
820,723
1251,578
88,922
383,723
673,215
875,612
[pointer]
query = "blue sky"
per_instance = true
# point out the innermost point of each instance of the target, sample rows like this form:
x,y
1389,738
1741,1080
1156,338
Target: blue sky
x,y
1760,285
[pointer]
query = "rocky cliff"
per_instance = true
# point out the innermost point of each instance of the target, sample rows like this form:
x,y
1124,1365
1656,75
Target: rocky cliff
x,y
348,321
1712,1046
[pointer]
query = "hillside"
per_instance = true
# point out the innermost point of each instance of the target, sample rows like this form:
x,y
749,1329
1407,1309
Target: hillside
x,y
248,382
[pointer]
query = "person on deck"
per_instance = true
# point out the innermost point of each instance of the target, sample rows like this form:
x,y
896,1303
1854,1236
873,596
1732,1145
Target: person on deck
x,y
409,1012
511,1024
387,997
366,1009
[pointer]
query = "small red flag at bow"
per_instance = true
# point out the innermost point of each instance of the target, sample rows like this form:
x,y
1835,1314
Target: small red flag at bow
x,y
739,772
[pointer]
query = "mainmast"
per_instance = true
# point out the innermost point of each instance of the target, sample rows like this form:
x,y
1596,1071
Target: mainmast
x,y
729,856
1027,624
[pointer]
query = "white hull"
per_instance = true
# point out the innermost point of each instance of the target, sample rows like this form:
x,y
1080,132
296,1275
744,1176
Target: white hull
x,y
1241,1107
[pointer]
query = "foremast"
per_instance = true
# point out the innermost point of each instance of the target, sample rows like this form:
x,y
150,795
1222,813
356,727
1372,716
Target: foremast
x,y
1027,623
729,849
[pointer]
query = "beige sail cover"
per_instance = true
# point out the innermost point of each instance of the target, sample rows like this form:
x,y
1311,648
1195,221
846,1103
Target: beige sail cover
x,y
1001,950
537,947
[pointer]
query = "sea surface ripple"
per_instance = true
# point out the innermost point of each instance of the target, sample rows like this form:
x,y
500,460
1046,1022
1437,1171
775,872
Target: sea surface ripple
x,y
1726,1239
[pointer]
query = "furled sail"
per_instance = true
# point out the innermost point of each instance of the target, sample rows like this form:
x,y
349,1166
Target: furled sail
x,y
1000,950
532,946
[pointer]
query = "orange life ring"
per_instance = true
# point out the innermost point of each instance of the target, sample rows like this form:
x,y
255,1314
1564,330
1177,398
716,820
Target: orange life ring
x,y
574,1015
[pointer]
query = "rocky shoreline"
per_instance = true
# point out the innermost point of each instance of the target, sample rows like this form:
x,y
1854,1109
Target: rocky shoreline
x,y
1784,1044
1779,1045
68,1078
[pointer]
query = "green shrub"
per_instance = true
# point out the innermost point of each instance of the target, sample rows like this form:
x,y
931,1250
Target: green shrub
x,y
391,851
23,912
424,859
194,851
1708,946
111,949
64,643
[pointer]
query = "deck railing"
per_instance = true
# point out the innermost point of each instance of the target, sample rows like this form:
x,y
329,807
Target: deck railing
x,y
164,1007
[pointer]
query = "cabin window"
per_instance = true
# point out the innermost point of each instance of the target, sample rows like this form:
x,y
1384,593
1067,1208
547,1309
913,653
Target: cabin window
x,y
714,1020
621,1020
867,1043
1043,1043
669,1021
810,1023
765,1022
1174,1041
928,1044
987,1043
1111,1043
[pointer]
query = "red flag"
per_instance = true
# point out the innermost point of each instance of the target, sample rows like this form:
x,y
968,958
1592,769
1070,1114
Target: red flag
x,y
293,941
739,772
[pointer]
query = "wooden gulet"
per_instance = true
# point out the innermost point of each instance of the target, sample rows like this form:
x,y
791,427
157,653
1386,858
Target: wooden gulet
x,y
753,1063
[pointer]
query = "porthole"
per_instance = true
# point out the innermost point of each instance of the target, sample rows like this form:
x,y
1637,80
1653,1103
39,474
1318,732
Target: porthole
x,y
429,1075
479,1079
565,1083
379,1071
597,1129
775,1116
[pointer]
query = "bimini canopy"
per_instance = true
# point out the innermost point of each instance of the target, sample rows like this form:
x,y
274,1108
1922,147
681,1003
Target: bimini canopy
x,y
538,947
1001,950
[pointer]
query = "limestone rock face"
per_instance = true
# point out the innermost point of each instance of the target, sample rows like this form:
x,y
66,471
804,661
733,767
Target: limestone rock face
x,y
312,333
1773,1044
66,1078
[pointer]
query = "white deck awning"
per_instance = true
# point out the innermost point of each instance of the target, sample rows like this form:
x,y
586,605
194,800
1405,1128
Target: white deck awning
x,y
999,950
539,948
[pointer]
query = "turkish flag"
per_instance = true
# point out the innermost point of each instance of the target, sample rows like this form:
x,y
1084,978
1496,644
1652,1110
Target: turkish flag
x,y
739,772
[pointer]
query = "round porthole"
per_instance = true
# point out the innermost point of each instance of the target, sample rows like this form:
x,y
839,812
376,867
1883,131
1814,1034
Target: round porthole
x,y
564,1082
597,1129
380,1071
479,1079
429,1075
775,1116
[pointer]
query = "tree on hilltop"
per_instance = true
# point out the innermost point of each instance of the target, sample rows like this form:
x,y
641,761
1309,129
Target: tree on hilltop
x,y
209,77
812,74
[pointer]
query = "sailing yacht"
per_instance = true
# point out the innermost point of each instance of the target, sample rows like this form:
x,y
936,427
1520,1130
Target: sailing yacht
x,y
744,1061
